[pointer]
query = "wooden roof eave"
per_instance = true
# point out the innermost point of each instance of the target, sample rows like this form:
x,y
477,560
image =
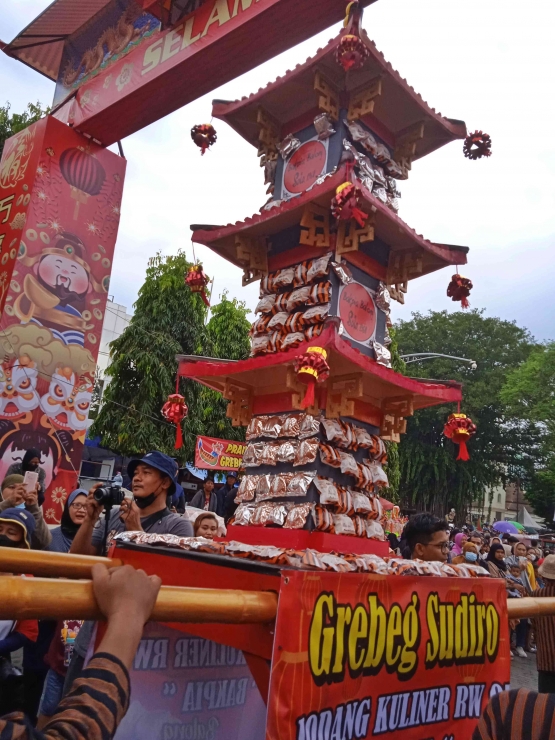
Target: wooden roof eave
x,y
240,114
380,383
389,226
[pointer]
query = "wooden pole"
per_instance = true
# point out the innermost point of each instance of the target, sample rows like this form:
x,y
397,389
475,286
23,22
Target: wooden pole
x,y
46,598
529,607
54,564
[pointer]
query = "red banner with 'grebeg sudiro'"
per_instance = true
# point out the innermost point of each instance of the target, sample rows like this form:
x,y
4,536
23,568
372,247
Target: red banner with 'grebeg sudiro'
x,y
386,656
218,454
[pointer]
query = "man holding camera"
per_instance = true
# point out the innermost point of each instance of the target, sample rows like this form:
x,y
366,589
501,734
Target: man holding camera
x,y
153,479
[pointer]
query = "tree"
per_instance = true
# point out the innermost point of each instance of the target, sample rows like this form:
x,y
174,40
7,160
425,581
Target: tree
x,y
168,321
12,124
529,392
505,446
228,338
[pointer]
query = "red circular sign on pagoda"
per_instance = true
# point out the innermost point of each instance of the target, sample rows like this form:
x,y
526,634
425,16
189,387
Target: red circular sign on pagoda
x,y
357,311
305,166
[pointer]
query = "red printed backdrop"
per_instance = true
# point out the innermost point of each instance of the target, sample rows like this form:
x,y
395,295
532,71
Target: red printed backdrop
x,y
187,688
389,656
63,225
218,454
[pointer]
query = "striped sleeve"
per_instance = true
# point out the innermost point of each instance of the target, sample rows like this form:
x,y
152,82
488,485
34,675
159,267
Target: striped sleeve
x,y
517,715
92,710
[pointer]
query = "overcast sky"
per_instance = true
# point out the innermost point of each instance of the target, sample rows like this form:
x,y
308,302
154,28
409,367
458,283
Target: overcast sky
x,y
490,64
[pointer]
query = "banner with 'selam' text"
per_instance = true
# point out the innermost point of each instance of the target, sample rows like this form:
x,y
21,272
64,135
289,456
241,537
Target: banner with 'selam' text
x,y
386,656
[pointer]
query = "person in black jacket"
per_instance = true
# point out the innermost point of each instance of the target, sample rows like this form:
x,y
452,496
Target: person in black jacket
x,y
227,495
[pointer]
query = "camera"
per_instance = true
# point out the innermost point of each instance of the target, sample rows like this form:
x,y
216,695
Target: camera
x,y
109,496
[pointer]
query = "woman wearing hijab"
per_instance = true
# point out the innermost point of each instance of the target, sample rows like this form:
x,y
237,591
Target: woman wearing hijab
x,y
460,539
469,555
61,648
31,463
75,512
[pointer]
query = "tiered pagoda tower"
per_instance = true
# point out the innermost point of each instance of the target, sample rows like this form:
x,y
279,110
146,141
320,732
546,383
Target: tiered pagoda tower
x,y
331,253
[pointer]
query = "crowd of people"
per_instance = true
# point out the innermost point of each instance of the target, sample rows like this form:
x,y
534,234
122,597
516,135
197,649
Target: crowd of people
x,y
44,676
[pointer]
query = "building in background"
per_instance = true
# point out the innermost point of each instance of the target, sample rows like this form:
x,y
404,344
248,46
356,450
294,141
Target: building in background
x,y
98,463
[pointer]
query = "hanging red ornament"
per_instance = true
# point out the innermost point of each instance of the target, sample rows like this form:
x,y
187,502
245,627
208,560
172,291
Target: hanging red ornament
x,y
197,280
175,410
459,429
351,52
204,135
459,289
477,145
344,205
311,368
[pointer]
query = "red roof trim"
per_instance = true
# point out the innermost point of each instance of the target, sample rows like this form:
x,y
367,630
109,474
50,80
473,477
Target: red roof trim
x,y
329,338
209,237
221,110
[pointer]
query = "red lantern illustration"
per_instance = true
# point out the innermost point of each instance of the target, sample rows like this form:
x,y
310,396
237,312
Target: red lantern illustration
x,y
477,145
311,368
344,206
175,410
84,173
459,429
459,289
197,280
204,135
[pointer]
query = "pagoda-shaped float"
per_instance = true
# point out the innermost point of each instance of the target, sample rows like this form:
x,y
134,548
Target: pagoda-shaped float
x,y
335,136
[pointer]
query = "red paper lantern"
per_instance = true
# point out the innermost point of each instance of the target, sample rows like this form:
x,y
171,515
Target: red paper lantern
x,y
344,205
311,368
175,410
351,52
459,289
84,173
477,145
197,280
204,135
459,429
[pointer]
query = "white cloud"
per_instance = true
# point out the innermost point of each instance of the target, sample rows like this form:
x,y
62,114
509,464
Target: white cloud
x,y
491,66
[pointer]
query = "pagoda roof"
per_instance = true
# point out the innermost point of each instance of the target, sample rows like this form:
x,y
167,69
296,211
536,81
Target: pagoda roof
x,y
397,109
271,220
40,45
266,375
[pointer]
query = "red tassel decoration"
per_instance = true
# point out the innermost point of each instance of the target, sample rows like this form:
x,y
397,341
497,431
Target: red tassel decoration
x,y
311,368
197,280
459,289
175,410
204,135
459,429
344,205
477,145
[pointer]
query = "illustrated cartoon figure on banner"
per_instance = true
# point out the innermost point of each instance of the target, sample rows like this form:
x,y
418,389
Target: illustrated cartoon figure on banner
x,y
66,404
18,394
55,293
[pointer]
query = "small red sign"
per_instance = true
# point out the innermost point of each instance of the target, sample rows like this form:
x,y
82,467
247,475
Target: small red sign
x,y
305,167
357,311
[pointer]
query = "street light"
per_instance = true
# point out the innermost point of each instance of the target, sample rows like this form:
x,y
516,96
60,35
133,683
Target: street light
x,y
421,356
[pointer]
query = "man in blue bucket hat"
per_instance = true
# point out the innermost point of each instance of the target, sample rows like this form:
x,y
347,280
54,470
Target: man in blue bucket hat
x,y
153,479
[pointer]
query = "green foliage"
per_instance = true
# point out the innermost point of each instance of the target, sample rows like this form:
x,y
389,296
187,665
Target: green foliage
x,y
393,467
228,337
168,321
12,124
504,445
529,392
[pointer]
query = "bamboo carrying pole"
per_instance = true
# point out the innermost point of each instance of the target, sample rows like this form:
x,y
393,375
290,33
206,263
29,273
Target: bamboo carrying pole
x,y
529,607
54,564
45,598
